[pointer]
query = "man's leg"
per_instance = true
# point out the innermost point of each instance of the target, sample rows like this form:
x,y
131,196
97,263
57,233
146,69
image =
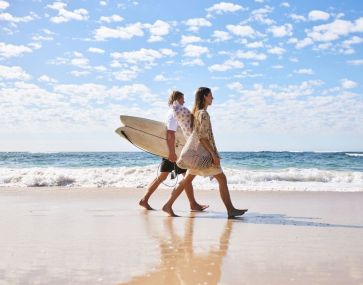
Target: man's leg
x,y
151,189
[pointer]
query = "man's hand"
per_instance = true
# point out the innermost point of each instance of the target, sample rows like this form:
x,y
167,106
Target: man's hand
x,y
172,157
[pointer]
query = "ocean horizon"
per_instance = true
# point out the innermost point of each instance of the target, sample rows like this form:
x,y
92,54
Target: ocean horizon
x,y
248,171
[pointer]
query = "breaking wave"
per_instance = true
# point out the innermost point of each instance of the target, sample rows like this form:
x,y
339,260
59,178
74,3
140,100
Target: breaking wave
x,y
288,179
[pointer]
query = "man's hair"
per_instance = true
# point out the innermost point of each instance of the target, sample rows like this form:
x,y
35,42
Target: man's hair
x,y
175,95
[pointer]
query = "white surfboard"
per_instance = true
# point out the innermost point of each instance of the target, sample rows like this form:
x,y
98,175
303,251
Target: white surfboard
x,y
149,135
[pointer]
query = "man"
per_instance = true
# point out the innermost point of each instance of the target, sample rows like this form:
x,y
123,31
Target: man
x,y
169,165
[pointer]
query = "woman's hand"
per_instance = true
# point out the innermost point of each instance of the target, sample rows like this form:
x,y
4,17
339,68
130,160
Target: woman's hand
x,y
216,159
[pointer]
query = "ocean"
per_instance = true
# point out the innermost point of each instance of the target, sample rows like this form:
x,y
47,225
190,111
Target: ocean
x,y
251,171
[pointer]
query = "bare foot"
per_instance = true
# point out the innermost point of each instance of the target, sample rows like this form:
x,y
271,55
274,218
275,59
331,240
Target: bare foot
x,y
198,208
236,212
169,211
146,205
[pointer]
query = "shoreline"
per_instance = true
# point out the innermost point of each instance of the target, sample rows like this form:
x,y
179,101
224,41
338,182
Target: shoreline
x,y
256,189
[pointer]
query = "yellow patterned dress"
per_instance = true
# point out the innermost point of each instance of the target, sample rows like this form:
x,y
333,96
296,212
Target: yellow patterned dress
x,y
203,128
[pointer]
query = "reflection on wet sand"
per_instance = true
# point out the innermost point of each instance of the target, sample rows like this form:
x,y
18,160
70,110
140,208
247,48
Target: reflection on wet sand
x,y
180,264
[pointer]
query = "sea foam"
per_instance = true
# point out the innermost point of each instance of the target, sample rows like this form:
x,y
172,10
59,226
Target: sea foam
x,y
288,179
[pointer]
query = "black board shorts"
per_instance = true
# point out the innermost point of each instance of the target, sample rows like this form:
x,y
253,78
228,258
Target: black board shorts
x,y
168,166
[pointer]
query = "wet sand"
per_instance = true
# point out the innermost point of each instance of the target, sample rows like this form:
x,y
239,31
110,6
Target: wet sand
x,y
102,236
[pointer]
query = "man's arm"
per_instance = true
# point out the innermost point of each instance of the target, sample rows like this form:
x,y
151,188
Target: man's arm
x,y
170,139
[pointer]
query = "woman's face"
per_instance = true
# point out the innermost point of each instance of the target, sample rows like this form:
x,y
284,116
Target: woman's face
x,y
208,99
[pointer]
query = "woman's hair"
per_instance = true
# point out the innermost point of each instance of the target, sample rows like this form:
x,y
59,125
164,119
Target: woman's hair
x,y
199,101
175,95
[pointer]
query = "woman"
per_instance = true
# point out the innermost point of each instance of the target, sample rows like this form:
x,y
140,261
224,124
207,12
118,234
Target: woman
x,y
202,127
168,165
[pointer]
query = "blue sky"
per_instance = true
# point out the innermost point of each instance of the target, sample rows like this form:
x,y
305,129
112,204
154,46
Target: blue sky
x,y
286,75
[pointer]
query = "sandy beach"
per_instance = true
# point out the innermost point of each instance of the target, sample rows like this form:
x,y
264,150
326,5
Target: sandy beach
x,y
101,236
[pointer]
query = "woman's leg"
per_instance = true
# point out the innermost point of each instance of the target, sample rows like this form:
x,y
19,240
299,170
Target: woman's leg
x,y
194,205
144,202
226,198
175,194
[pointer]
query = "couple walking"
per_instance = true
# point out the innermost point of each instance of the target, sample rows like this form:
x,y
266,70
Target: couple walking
x,y
197,126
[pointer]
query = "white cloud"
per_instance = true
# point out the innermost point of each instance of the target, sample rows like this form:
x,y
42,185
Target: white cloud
x,y
254,45
66,15
193,62
292,41
167,52
9,50
224,7
158,30
59,110
348,84
355,62
84,93
303,43
160,77
220,36
297,18
334,30
41,38
124,33
317,15
285,4
235,86
241,30
103,3
250,55
79,62
306,71
142,55
74,59
227,65
189,40
353,41
276,50
324,46
4,5
297,102
110,19
46,78
100,68
13,72
278,66
196,23
260,15
78,73
281,31
35,45
96,50
127,74
29,100
195,51
10,18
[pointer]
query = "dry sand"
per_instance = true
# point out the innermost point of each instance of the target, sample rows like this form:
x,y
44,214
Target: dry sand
x,y
101,236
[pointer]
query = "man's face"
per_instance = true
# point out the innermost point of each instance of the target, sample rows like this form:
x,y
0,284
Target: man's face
x,y
181,100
